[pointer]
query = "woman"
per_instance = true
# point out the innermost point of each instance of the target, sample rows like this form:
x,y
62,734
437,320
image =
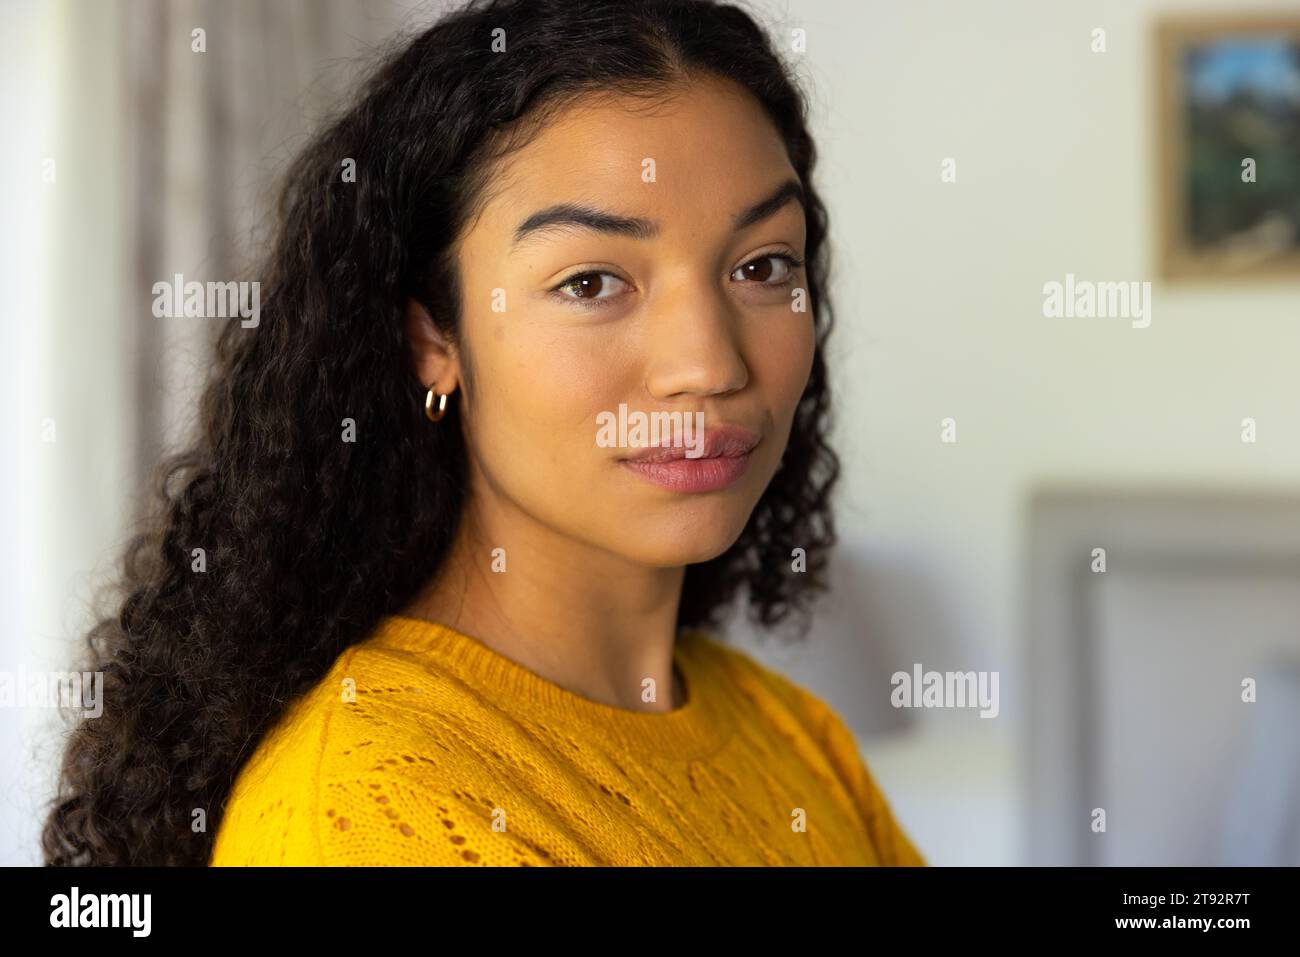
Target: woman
x,y
449,614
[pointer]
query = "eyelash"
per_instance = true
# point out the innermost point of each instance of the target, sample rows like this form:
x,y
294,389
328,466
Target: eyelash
x,y
791,262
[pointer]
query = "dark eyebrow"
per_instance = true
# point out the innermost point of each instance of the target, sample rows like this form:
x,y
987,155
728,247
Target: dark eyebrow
x,y
585,217
789,190
595,220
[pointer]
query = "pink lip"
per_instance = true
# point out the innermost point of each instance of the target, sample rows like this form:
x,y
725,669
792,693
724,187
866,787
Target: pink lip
x,y
724,460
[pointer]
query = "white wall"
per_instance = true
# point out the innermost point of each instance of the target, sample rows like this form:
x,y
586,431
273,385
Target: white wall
x,y
65,502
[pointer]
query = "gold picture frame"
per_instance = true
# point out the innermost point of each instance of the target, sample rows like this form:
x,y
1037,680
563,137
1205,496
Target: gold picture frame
x,y
1224,92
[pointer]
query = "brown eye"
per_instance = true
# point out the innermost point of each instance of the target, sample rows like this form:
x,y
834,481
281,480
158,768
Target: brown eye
x,y
589,286
762,271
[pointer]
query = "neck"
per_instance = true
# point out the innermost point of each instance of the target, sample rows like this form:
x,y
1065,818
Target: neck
x,y
575,614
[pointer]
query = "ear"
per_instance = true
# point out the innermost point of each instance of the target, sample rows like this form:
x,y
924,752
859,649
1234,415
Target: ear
x,y
433,355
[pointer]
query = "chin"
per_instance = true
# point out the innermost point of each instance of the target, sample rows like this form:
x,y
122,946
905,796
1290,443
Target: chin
x,y
679,540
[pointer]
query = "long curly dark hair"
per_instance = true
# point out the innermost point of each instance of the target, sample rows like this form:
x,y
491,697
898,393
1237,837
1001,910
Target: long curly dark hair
x,y
309,540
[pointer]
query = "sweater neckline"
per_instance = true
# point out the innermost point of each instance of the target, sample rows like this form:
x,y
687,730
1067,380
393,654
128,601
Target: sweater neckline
x,y
698,727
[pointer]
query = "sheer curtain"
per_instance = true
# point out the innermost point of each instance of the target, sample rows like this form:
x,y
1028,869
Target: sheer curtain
x,y
207,133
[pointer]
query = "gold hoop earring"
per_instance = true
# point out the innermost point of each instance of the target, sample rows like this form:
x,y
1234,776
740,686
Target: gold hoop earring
x,y
429,413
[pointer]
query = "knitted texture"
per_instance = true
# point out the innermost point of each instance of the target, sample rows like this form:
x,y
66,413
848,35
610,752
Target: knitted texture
x,y
423,746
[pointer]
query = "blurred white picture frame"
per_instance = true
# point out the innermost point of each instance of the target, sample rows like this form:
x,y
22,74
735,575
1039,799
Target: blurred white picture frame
x,y
1140,677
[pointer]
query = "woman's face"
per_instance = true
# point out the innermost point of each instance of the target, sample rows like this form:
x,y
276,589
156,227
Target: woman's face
x,y
695,309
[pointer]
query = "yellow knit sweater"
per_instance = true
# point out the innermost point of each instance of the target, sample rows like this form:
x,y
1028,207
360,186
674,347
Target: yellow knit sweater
x,y
423,746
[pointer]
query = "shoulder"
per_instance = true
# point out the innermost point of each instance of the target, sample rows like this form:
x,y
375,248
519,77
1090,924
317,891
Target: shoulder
x,y
361,771
804,716
765,686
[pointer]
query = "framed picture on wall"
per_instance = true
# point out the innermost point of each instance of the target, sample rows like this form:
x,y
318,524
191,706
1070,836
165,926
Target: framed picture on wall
x,y
1228,130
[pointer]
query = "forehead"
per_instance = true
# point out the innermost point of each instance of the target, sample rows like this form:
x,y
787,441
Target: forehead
x,y
705,148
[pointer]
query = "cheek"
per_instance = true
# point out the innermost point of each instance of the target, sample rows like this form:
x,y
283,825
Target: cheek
x,y
540,413
782,360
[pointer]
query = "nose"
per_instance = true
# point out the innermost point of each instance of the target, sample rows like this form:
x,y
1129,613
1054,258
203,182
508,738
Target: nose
x,y
693,344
